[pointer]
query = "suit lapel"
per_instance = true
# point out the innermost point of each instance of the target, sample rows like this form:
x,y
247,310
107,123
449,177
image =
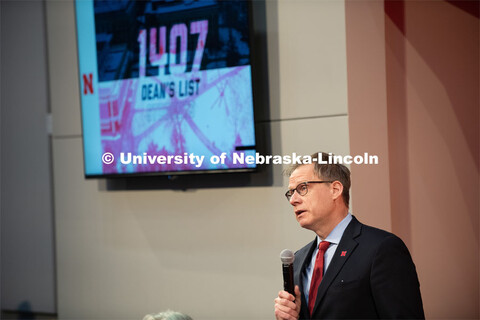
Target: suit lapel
x,y
347,244
302,258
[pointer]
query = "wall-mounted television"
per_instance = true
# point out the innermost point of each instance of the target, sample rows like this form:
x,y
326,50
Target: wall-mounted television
x,y
166,86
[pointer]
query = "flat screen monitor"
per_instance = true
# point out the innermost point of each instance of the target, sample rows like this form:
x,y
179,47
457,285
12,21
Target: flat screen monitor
x,y
165,86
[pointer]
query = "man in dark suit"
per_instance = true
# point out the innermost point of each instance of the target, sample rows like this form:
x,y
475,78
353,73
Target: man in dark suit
x,y
350,270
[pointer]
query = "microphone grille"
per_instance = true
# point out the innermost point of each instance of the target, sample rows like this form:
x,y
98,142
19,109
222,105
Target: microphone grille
x,y
287,256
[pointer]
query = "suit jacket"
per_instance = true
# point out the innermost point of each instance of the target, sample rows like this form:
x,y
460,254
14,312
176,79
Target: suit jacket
x,y
371,276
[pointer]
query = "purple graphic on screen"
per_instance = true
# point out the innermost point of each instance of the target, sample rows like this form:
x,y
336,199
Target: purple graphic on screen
x,y
204,113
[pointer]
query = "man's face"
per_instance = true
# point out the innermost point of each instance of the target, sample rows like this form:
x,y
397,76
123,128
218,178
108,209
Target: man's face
x,y
316,207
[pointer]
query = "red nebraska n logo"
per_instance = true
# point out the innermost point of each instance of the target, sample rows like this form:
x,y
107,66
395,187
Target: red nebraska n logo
x,y
87,83
344,253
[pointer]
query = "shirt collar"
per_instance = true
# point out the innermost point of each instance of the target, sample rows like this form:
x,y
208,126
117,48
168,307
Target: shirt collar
x,y
337,232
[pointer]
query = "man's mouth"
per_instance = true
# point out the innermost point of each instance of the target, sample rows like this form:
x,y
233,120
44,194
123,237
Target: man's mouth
x,y
299,212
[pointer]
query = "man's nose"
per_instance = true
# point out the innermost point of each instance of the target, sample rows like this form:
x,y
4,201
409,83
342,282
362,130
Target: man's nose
x,y
295,198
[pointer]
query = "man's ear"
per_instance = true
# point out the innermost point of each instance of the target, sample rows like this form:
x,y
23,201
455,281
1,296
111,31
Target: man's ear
x,y
337,190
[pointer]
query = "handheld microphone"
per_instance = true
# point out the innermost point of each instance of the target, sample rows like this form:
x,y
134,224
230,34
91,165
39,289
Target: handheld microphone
x,y
287,258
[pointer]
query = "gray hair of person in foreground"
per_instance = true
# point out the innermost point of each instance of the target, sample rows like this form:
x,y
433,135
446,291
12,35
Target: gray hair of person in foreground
x,y
167,315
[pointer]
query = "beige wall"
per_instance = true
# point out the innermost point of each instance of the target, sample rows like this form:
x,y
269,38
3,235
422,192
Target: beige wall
x,y
367,99
212,253
424,56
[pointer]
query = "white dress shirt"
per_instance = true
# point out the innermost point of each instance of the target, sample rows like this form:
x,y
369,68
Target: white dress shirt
x,y
334,239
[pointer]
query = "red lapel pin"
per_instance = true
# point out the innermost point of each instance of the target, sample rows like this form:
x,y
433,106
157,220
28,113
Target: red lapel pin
x,y
344,253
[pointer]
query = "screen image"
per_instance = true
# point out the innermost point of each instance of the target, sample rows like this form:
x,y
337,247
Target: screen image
x,y
165,86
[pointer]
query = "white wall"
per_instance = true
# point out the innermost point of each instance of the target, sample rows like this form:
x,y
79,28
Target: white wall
x,y
211,253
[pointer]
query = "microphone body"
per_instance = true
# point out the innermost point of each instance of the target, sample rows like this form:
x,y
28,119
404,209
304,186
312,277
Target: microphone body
x,y
287,258
288,278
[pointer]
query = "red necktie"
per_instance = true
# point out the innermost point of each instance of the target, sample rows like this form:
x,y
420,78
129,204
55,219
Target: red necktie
x,y
317,275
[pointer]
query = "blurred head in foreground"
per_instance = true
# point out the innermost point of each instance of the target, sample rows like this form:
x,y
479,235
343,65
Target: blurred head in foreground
x,y
167,315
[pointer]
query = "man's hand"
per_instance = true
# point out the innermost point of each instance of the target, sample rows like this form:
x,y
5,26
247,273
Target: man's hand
x,y
287,307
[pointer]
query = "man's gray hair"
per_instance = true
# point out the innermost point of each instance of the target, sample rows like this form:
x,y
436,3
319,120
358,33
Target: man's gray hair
x,y
327,171
167,315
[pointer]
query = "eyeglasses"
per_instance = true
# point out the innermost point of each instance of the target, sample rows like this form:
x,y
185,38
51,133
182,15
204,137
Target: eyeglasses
x,y
302,188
